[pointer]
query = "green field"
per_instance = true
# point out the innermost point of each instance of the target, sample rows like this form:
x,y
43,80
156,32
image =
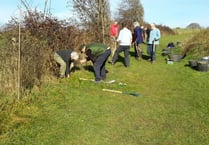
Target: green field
x,y
172,108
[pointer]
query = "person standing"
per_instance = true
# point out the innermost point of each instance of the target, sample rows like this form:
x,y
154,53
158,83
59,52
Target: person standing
x,y
114,28
154,38
146,37
124,39
138,40
65,58
98,53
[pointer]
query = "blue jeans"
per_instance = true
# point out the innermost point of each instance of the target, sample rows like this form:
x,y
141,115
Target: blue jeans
x,y
125,49
152,51
99,65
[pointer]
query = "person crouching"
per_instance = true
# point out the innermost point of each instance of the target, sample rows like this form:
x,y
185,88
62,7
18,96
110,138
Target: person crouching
x,y
65,58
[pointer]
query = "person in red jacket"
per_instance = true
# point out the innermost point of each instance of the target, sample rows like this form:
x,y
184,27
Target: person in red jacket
x,y
114,29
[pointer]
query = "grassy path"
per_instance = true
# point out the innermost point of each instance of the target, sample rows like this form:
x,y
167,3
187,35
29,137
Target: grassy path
x,y
172,109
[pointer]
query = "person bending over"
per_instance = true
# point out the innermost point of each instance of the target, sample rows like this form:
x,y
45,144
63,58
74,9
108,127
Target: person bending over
x,y
65,58
98,53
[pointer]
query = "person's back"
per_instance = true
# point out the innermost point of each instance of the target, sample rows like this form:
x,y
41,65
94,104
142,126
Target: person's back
x,y
97,48
65,58
138,33
65,54
98,53
125,37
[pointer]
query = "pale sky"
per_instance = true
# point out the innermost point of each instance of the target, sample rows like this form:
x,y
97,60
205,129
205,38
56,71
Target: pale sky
x,y
172,13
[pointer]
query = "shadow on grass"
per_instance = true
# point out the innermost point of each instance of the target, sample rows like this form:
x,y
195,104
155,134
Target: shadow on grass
x,y
145,57
90,68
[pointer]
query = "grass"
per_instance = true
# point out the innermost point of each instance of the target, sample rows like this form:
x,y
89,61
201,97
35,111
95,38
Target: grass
x,y
172,109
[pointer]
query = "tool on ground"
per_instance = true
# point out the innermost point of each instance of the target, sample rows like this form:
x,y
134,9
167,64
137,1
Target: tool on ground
x,y
108,82
116,91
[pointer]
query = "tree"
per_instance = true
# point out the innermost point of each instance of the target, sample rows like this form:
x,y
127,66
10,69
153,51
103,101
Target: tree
x,y
94,15
130,11
194,26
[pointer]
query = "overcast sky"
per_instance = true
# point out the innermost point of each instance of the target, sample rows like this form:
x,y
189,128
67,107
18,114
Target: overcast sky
x,y
172,13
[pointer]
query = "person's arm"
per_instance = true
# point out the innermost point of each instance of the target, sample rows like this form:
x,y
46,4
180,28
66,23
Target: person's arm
x,y
83,60
71,65
70,69
157,35
67,72
90,56
134,36
131,38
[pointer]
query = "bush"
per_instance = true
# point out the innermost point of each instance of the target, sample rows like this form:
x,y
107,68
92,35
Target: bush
x,y
165,30
40,38
198,45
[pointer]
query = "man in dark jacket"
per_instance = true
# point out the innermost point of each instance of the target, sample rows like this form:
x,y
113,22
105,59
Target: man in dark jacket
x,y
98,53
66,59
138,40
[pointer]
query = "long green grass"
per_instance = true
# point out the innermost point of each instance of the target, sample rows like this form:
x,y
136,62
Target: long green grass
x,y
172,108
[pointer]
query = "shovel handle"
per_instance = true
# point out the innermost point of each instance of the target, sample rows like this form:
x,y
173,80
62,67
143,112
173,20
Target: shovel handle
x,y
108,90
84,79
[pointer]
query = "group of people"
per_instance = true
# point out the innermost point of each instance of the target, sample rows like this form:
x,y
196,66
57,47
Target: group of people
x,y
139,36
99,53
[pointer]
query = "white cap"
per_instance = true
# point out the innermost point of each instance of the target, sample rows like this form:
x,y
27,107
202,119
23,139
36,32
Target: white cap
x,y
74,56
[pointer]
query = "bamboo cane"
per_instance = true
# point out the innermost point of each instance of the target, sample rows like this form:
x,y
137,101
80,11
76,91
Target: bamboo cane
x,y
116,91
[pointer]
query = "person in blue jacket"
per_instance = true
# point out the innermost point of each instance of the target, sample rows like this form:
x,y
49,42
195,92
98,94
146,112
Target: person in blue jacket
x,y
153,41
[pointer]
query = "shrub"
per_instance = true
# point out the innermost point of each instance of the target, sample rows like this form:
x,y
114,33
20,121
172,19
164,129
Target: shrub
x,y
40,38
198,45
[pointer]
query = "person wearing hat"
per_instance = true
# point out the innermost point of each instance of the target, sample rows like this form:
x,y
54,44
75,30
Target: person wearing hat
x,y
98,53
65,58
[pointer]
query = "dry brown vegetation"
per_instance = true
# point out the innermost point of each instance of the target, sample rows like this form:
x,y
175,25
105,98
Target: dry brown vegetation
x,y
40,37
198,46
165,30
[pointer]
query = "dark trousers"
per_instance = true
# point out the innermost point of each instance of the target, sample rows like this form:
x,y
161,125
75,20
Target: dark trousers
x,y
151,49
137,50
99,65
125,49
